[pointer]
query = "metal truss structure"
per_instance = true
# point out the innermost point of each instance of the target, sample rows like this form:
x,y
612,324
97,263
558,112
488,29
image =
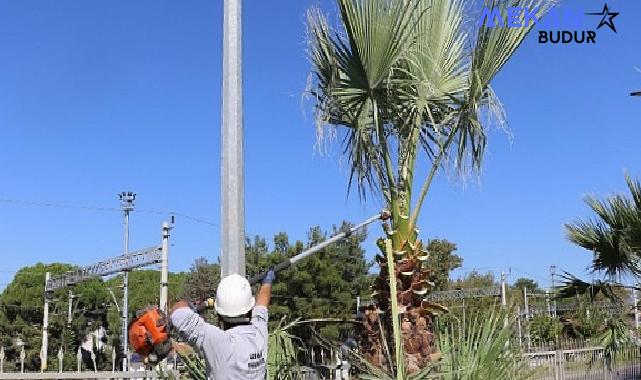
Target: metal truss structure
x,y
459,294
606,306
107,267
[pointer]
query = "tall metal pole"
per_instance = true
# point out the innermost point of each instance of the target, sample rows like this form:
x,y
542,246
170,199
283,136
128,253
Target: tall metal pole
x,y
45,327
552,274
125,300
164,267
526,305
127,202
518,322
503,295
69,307
232,178
636,309
547,300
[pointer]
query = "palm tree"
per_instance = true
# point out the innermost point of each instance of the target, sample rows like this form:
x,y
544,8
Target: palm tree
x,y
614,237
404,81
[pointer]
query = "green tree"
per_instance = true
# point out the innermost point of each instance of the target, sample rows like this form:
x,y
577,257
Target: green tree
x,y
442,261
21,313
515,292
407,81
324,285
474,279
544,329
201,281
526,283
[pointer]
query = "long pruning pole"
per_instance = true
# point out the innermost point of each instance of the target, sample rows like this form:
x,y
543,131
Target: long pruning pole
x,y
383,215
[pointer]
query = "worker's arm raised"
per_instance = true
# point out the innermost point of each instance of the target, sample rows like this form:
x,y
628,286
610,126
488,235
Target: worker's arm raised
x,y
264,295
191,326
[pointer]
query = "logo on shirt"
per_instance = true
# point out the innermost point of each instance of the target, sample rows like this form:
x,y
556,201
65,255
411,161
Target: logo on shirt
x,y
256,360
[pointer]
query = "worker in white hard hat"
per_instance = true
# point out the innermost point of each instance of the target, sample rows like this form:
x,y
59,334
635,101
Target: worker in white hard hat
x,y
238,348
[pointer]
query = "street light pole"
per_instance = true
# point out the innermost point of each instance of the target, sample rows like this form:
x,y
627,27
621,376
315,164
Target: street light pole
x,y
127,203
552,291
232,178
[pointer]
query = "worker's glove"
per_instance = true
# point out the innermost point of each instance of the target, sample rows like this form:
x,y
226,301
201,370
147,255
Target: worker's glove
x,y
269,277
200,306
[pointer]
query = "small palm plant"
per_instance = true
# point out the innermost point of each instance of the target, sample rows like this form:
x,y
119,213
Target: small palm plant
x,y
480,351
406,81
282,352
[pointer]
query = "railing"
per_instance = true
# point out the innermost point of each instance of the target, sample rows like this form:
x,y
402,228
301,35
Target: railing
x,y
165,370
145,374
589,363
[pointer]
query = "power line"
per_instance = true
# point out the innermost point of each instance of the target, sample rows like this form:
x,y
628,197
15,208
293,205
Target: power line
x,y
329,300
107,209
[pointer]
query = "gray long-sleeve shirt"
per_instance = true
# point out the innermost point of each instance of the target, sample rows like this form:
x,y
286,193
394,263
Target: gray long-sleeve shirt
x,y
234,354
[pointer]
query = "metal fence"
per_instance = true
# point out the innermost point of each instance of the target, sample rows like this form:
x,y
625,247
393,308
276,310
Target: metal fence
x,y
166,370
589,363
91,375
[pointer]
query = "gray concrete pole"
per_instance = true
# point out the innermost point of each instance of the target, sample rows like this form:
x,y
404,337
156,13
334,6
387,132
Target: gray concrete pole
x,y
45,328
553,290
526,305
164,267
69,307
232,177
503,291
518,322
547,300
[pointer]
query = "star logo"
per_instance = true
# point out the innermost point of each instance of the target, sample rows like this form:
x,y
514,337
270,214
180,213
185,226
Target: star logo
x,y
607,18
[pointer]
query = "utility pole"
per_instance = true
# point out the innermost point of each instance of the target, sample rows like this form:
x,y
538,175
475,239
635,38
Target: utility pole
x,y
503,295
45,327
69,307
127,199
636,309
232,177
525,301
547,300
164,267
518,323
552,274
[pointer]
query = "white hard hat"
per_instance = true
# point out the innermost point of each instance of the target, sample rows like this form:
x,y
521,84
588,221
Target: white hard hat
x,y
234,296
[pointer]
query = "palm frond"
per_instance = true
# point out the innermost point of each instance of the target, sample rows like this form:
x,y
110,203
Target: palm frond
x,y
492,50
614,337
480,351
573,286
353,68
614,236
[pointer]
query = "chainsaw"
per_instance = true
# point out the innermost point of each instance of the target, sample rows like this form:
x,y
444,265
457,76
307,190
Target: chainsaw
x,y
149,331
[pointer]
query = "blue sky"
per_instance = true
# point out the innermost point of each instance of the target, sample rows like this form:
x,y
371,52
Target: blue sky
x,y
97,97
